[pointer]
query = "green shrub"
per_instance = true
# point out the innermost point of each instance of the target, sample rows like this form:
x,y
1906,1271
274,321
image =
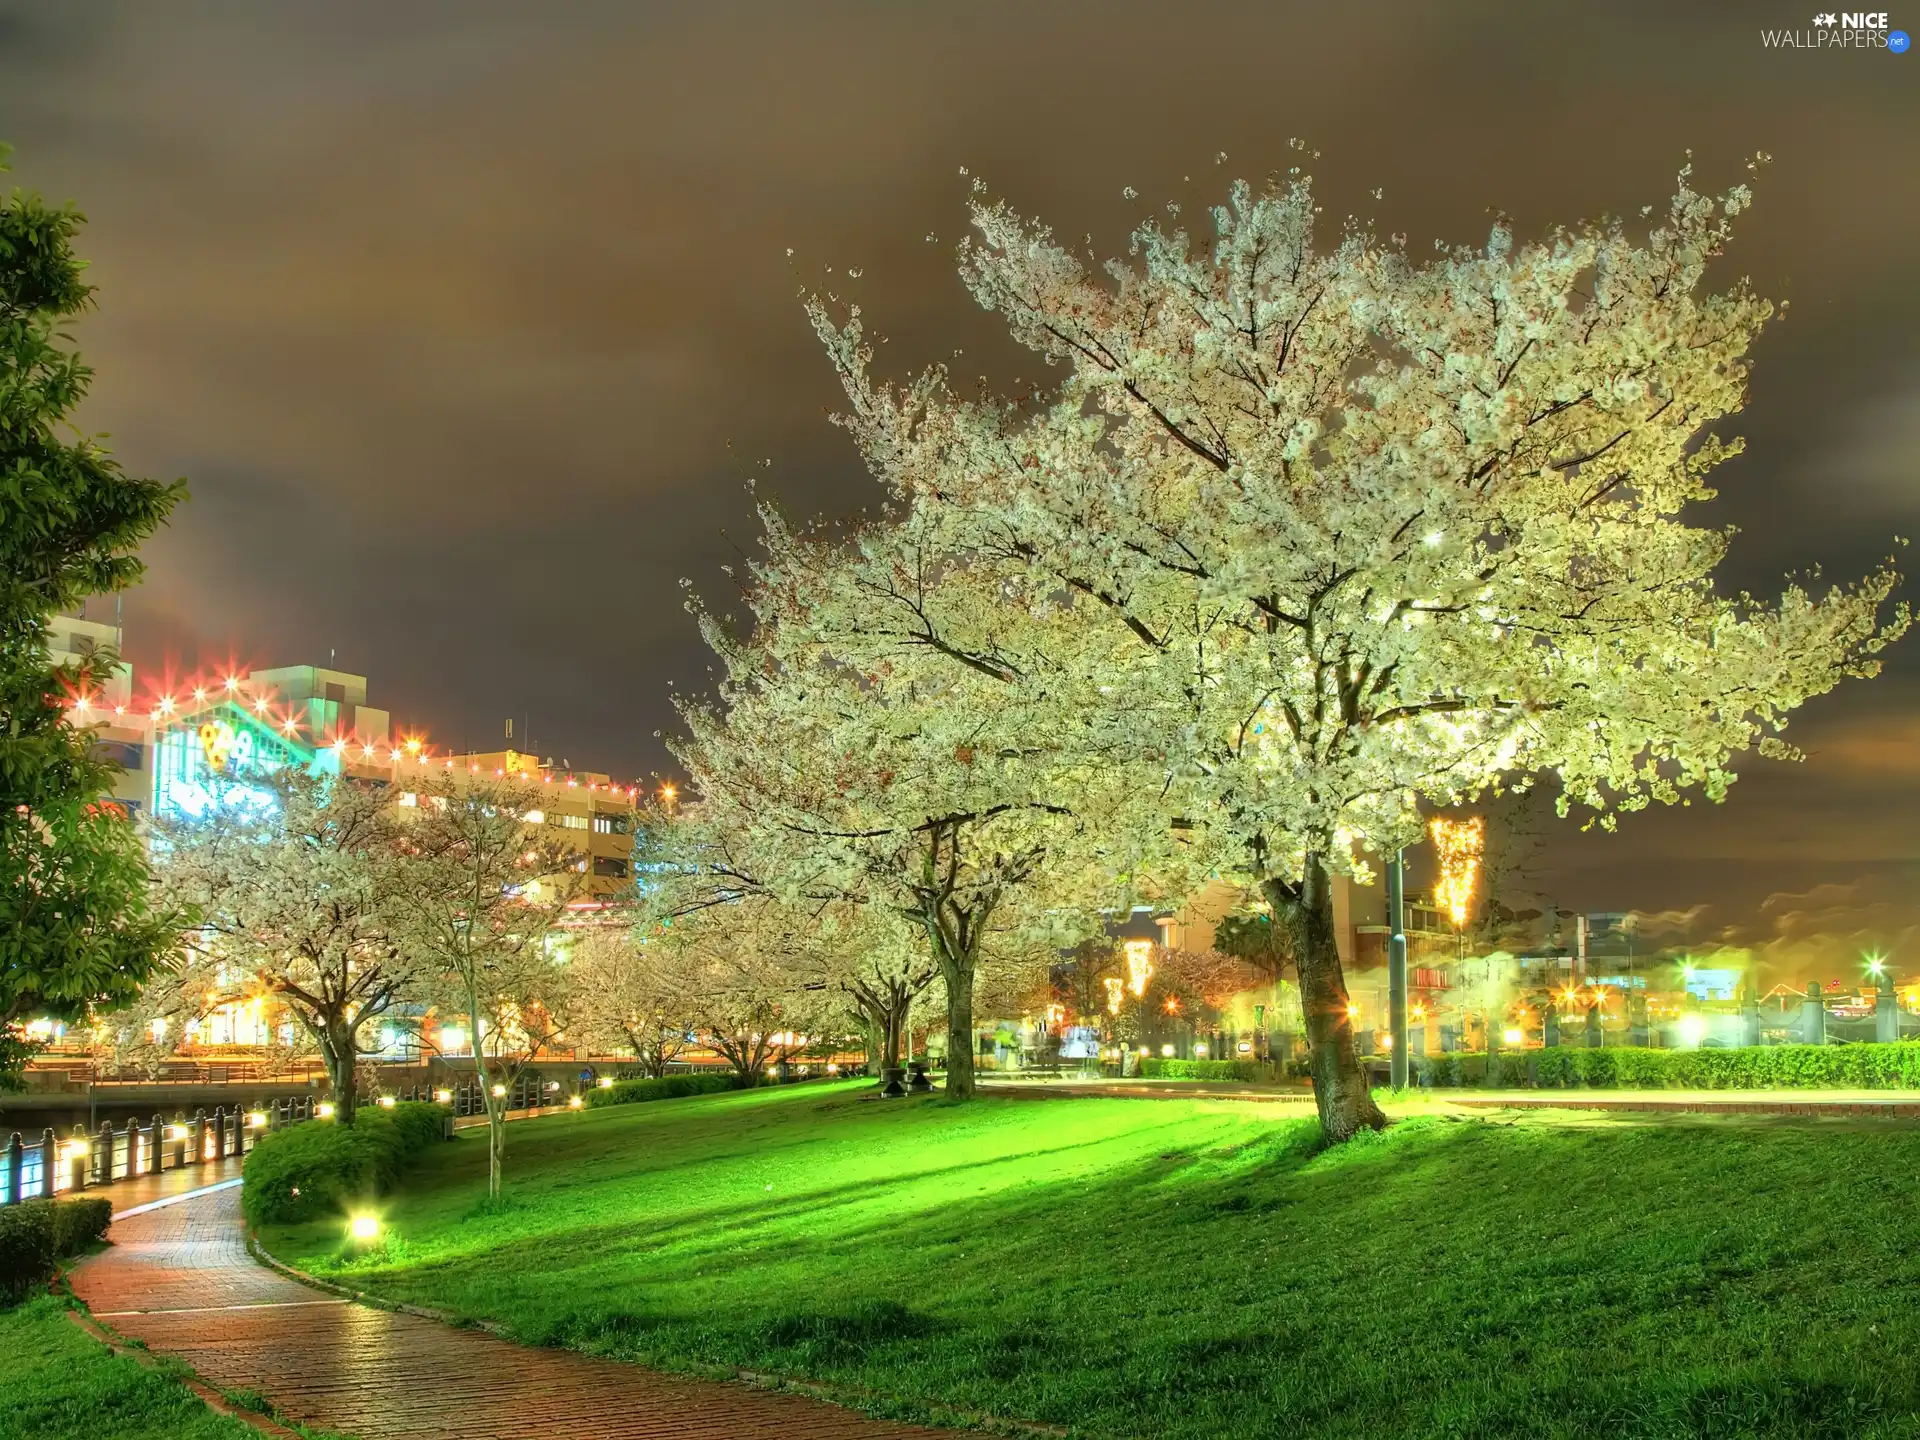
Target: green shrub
x,y
1153,1068
1555,1068
78,1223
1753,1067
1597,1069
35,1235
419,1123
26,1249
667,1087
320,1167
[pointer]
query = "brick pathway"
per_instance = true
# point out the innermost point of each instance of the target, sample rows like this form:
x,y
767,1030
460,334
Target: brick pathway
x,y
178,1277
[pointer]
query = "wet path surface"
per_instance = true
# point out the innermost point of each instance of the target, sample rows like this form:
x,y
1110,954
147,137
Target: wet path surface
x,y
179,1278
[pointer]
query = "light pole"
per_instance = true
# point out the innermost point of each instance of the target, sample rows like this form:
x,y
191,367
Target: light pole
x,y
1397,968
1886,1011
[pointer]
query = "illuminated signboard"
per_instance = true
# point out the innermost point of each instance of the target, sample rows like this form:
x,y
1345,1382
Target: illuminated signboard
x,y
216,761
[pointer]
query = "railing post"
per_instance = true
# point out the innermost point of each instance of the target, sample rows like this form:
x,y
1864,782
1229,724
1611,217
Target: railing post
x,y
49,1163
79,1158
156,1142
15,1164
197,1136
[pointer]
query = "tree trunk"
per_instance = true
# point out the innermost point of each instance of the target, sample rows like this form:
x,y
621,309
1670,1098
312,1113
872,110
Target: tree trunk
x,y
496,1143
338,1054
895,1025
1340,1089
957,968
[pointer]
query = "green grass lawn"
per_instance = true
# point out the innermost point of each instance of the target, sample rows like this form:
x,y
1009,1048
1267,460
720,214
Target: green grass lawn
x,y
57,1383
1193,1268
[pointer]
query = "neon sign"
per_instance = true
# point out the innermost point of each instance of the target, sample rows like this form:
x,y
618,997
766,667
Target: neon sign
x,y
219,766
220,742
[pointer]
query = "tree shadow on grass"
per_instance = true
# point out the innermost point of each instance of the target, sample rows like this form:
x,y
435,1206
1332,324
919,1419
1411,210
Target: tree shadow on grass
x,y
1447,1278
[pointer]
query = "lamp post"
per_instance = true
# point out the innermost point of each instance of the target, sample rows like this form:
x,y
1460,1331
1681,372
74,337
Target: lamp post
x,y
1397,968
1886,1013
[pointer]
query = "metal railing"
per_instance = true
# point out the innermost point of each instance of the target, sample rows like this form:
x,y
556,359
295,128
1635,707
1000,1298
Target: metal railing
x,y
528,1092
56,1165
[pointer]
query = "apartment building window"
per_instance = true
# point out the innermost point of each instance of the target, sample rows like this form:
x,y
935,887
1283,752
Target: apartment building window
x,y
610,865
610,824
571,822
127,757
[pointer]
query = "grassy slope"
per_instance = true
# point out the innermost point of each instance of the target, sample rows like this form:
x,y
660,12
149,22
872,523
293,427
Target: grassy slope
x,y
1190,1268
56,1383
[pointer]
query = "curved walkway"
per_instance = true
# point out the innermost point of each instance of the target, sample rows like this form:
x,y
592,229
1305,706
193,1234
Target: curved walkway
x,y
178,1277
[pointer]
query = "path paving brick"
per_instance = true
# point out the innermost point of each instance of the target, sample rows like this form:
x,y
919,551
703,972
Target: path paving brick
x,y
179,1278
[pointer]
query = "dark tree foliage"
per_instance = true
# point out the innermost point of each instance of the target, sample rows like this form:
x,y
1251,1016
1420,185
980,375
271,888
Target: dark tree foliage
x,y
76,927
1251,935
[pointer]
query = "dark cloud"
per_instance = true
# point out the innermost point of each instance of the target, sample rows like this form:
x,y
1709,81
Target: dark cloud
x,y
466,320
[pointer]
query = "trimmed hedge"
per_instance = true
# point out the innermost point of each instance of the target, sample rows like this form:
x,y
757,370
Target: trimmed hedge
x,y
1757,1067
667,1087
319,1168
79,1222
26,1250
1154,1068
35,1235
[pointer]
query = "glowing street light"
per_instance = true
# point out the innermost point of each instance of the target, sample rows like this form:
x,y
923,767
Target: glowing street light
x,y
364,1228
1139,966
1459,845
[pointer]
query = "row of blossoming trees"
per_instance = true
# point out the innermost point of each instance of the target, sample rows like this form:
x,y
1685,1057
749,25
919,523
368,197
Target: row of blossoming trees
x,y
1299,541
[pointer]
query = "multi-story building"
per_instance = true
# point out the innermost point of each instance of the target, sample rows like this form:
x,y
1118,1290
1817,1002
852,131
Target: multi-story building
x,y
185,754
584,809
190,752
120,733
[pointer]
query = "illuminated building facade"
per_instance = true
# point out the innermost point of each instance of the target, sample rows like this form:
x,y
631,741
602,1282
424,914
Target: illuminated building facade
x,y
120,734
207,746
585,810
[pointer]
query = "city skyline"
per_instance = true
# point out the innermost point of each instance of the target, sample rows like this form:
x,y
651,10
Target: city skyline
x,y
468,335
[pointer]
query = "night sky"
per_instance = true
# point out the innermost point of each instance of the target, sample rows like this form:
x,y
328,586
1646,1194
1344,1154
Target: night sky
x,y
465,322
